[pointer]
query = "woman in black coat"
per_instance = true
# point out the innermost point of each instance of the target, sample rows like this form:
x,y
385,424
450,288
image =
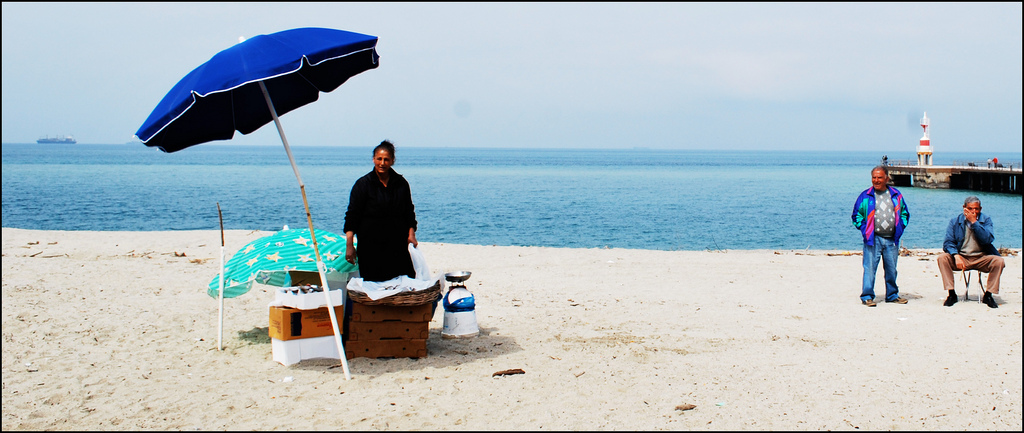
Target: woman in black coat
x,y
381,214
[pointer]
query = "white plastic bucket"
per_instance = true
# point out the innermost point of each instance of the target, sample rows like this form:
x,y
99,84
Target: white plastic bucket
x,y
460,325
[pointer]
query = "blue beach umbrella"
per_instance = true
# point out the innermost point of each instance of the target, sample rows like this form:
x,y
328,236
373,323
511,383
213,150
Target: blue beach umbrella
x,y
246,86
249,84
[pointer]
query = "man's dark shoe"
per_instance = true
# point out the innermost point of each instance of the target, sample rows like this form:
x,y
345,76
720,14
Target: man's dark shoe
x,y
869,302
987,299
950,300
898,301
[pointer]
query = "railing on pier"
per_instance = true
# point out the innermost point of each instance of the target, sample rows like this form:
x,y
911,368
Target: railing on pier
x,y
994,165
970,175
1010,166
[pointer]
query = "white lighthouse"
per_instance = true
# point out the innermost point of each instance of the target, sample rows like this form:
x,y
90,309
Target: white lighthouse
x,y
924,148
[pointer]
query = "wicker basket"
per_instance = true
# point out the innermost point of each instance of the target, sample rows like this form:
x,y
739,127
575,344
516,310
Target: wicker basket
x,y
401,299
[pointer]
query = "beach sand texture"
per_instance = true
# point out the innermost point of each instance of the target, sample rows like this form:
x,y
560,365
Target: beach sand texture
x,y
114,331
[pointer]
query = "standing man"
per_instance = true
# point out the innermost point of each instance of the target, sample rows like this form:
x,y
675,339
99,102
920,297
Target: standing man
x,y
967,246
881,214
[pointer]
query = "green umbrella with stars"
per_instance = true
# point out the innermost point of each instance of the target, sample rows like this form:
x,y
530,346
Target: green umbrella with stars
x,y
269,259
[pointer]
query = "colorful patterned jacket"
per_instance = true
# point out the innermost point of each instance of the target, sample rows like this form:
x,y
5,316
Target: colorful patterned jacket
x,y
864,214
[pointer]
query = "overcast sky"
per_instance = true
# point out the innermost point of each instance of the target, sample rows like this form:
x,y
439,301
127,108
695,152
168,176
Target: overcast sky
x,y
575,75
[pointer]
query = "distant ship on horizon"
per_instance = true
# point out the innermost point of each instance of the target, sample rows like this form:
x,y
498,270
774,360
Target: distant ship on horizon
x,y
61,140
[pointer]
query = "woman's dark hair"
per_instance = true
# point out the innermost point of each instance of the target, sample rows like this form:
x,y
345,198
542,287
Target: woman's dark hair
x,y
386,145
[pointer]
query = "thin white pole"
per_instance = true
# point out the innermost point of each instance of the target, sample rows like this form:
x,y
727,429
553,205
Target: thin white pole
x,y
220,320
309,218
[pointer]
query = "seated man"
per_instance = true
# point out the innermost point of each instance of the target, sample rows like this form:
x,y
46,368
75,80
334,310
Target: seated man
x,y
968,245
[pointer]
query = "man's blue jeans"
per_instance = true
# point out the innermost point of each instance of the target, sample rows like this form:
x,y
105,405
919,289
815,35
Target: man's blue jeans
x,y
887,249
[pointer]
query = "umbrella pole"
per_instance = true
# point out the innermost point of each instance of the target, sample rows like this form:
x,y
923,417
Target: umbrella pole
x,y
220,314
316,249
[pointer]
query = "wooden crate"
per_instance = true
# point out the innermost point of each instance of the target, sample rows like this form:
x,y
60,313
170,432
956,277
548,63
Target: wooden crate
x,y
364,331
387,331
383,313
396,348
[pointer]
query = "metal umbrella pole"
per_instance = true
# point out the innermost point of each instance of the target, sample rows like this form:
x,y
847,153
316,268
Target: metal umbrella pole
x,y
319,262
220,319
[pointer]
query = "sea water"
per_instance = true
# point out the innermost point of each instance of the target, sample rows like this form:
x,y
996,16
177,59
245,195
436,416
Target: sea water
x,y
627,198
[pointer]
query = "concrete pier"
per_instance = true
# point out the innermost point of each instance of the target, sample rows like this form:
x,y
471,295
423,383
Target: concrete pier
x,y
970,176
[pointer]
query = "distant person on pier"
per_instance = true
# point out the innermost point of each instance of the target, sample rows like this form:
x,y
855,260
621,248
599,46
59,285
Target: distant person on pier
x,y
885,159
881,215
968,246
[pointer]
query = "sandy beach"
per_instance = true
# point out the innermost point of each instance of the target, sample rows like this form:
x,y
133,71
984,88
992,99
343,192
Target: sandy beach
x,y
114,331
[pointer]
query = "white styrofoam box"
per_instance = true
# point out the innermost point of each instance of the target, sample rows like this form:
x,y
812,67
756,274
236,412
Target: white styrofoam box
x,y
308,301
292,351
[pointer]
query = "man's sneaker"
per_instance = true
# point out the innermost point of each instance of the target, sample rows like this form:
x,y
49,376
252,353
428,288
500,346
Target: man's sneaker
x,y
950,300
898,301
869,302
987,299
